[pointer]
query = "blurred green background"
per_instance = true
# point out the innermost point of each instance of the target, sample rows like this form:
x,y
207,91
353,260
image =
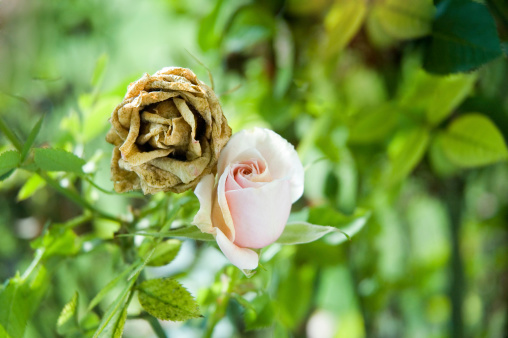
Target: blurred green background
x,y
350,84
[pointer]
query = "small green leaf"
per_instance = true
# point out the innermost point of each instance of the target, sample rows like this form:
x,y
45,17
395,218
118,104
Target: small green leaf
x,y
68,319
464,37
163,254
100,67
472,140
31,138
401,19
166,299
406,150
342,22
58,160
303,232
9,160
58,241
30,187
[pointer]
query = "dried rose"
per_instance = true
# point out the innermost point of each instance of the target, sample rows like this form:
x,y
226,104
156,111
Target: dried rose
x,y
168,133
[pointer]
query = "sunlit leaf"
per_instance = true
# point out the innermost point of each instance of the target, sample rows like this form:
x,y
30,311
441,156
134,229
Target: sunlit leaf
x,y
472,140
100,67
406,150
373,124
436,95
58,160
191,232
464,37
30,187
401,19
166,299
342,22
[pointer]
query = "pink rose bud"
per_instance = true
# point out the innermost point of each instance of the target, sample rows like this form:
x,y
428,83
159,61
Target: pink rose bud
x,y
259,177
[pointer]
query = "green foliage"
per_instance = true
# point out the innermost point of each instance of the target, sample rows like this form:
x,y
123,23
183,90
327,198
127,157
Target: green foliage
x,y
68,319
9,160
31,186
31,139
463,38
472,140
163,253
166,299
260,313
58,160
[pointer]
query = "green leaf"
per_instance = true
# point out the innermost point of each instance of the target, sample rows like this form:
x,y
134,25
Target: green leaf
x,y
464,37
406,150
31,139
344,226
100,67
472,140
58,160
342,22
163,254
166,299
19,299
261,314
437,95
9,160
373,124
401,19
113,321
191,232
58,241
30,187
68,319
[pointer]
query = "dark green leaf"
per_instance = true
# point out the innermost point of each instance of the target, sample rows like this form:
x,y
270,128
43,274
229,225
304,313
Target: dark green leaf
x,y
472,140
166,299
58,160
9,160
464,37
31,138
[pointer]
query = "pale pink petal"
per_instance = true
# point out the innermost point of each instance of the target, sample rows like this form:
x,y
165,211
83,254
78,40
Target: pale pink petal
x,y
260,214
223,203
280,156
231,183
204,193
243,258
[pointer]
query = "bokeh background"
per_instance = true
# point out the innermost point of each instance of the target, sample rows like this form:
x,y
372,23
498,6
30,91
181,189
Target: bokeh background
x,y
344,81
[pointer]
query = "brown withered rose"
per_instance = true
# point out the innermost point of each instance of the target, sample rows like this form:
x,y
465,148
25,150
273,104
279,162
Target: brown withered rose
x,y
168,133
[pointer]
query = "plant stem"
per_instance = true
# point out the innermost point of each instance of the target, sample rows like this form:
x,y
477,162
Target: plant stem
x,y
156,326
10,135
76,198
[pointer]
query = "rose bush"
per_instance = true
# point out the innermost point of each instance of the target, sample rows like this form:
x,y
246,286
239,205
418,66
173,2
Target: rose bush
x,y
259,177
168,133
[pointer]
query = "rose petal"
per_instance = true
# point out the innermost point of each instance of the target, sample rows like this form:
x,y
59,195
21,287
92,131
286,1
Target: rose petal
x,y
204,193
280,156
260,214
223,203
243,258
